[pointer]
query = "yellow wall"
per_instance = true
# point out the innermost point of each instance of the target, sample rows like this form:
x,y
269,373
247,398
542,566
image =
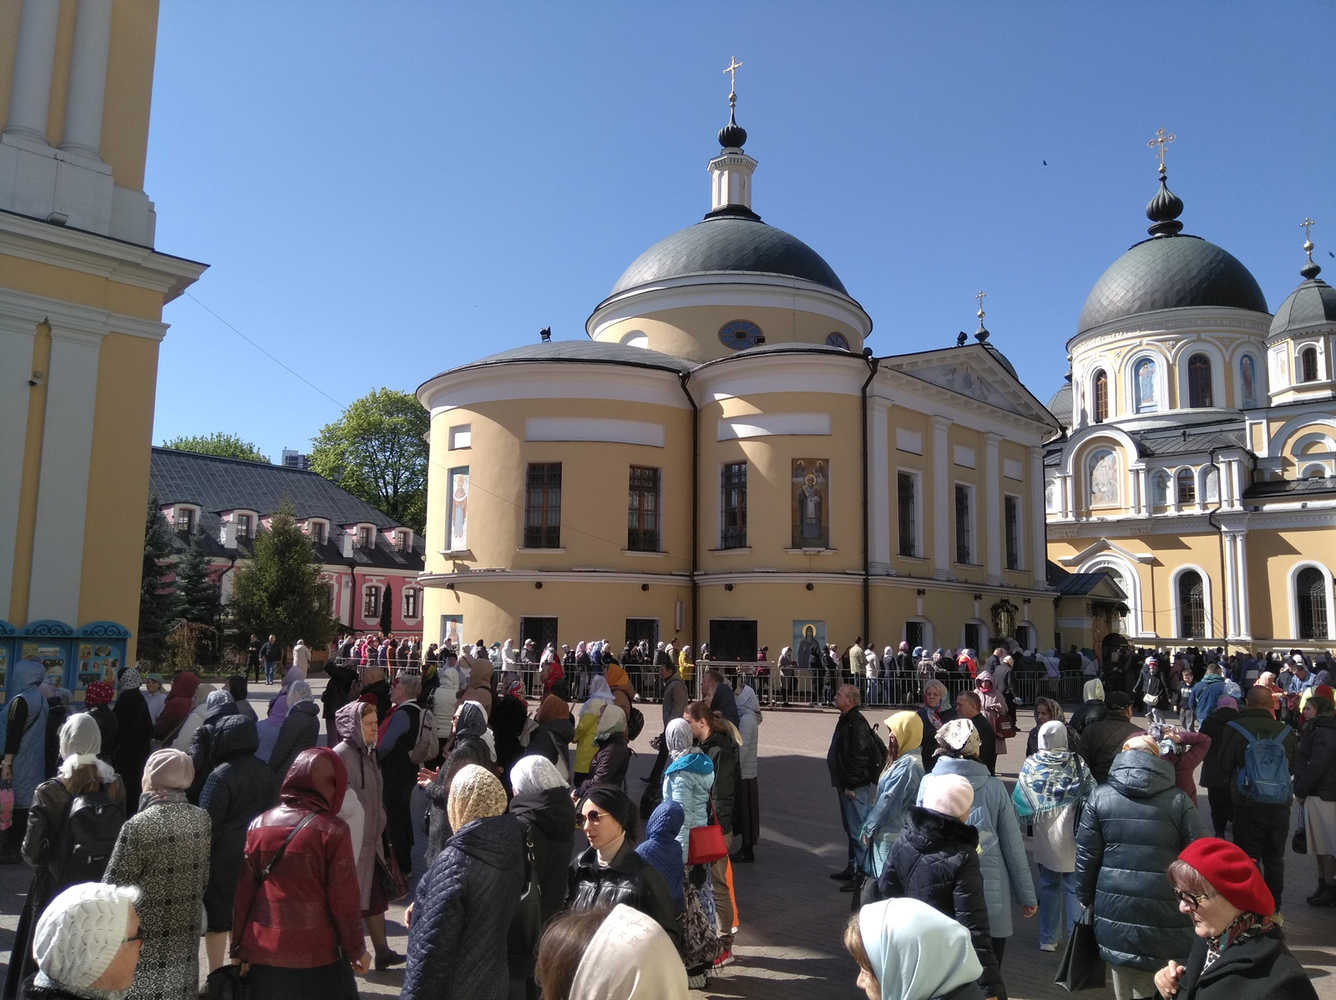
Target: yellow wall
x,y
693,332
32,467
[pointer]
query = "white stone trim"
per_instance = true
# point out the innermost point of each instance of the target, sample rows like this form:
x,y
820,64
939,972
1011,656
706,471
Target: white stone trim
x,y
1175,608
594,429
1292,583
773,425
22,307
1181,356
34,62
879,484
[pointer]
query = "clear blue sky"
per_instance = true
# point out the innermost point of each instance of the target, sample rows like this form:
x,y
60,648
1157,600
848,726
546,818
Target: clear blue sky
x,y
386,190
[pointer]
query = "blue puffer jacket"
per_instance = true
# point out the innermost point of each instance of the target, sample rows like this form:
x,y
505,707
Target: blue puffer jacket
x,y
687,781
1002,847
1133,828
660,848
462,914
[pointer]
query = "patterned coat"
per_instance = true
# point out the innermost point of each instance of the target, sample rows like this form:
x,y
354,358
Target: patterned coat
x,y
164,850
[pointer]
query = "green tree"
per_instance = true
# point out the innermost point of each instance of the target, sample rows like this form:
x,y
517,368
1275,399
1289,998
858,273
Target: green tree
x,y
386,610
278,590
220,444
377,451
196,589
157,598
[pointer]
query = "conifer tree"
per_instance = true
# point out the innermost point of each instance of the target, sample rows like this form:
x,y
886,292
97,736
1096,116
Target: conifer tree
x,y
157,599
386,610
196,590
278,590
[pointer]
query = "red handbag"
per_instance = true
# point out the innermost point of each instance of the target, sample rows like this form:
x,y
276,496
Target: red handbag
x,y
707,844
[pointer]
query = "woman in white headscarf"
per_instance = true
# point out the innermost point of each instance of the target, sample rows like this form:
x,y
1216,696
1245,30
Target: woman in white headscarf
x,y
628,957
907,950
543,807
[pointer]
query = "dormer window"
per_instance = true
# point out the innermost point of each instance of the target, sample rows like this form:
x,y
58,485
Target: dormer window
x,y
186,520
403,541
364,536
245,525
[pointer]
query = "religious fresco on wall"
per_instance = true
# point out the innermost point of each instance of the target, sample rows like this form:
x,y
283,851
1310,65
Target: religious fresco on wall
x,y
52,659
1160,489
458,514
452,631
97,663
1103,479
1143,379
811,503
807,635
1248,376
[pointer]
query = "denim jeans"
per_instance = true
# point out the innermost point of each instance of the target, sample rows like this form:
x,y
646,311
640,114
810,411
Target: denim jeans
x,y
269,667
852,813
1053,887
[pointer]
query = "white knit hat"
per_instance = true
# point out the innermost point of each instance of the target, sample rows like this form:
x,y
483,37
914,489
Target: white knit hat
x,y
81,931
949,794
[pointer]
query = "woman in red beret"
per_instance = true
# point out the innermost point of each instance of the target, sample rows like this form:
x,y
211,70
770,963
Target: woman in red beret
x,y
1240,952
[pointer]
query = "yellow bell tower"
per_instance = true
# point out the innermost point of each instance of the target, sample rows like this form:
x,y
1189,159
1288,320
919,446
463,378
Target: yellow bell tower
x,y
81,296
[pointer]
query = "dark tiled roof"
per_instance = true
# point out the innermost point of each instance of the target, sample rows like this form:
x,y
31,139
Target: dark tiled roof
x,y
1177,444
1170,272
1312,304
223,484
729,243
1288,488
1080,584
1061,404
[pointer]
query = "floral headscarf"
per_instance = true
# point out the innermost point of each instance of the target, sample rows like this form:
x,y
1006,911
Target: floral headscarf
x,y
1053,777
130,680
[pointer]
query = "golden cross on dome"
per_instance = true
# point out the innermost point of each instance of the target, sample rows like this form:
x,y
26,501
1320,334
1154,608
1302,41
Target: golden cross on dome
x,y
980,296
1307,226
732,70
1161,139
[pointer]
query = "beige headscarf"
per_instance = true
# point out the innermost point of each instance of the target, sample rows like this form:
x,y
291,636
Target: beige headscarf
x,y
475,793
1143,743
630,958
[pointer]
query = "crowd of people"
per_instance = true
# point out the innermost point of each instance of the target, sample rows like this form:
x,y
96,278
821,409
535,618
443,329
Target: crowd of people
x,y
169,812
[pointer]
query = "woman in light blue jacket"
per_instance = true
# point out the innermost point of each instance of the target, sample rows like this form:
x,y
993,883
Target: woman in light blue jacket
x,y
1001,845
687,781
897,789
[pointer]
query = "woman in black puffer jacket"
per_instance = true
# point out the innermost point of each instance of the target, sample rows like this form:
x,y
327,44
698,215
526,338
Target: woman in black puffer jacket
x,y
464,905
610,871
1315,785
542,804
936,860
467,746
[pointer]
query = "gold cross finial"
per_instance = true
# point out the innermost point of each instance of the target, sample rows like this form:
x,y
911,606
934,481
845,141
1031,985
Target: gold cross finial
x,y
1307,226
980,296
1161,139
732,70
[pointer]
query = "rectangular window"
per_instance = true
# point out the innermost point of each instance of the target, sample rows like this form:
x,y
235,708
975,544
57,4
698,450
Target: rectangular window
x,y
642,510
1011,508
974,637
245,525
735,506
401,541
964,541
461,437
541,630
371,603
410,602
906,489
185,520
364,536
319,532
542,506
330,599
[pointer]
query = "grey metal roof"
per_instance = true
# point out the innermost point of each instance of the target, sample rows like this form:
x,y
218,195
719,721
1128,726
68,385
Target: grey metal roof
x,y
1312,304
588,351
223,484
1192,443
1061,405
1170,272
1288,488
729,243
1080,584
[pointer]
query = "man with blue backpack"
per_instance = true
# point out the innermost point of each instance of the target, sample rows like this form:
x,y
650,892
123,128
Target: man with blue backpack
x,y
1258,755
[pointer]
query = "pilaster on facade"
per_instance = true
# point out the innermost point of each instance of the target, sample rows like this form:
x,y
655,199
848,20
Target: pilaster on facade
x,y
88,79
879,485
1038,519
993,507
942,507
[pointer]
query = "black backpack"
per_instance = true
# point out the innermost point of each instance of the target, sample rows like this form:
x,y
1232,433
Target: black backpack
x,y
635,723
87,837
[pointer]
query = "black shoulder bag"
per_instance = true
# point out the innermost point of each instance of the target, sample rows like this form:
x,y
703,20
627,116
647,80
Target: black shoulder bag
x,y
226,982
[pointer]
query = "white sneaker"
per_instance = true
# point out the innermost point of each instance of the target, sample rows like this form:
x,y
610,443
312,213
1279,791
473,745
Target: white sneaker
x,y
1048,947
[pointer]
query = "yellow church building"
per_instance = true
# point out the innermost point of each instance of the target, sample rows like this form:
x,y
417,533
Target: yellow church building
x,y
725,460
81,296
1197,468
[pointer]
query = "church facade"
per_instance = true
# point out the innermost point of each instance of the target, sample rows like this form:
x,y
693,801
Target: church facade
x,y
1197,467
722,460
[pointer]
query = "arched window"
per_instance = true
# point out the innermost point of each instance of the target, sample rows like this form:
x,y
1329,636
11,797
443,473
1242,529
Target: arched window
x,y
1248,379
1199,381
1187,487
1308,364
1100,392
1104,479
1191,605
1310,594
1210,488
1143,386
1160,489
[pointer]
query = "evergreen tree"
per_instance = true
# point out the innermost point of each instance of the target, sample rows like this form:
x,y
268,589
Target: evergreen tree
x,y
196,590
157,599
386,610
278,590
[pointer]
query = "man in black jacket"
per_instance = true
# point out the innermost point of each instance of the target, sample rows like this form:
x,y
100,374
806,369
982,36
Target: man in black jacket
x,y
1102,741
1259,828
970,706
271,652
853,763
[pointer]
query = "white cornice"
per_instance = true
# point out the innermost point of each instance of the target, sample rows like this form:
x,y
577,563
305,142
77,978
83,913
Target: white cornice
x,y
746,374
485,576
556,379
1180,321
957,407
28,310
731,289
90,253
1104,545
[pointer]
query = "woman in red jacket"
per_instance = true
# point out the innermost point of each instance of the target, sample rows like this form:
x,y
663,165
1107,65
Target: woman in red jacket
x,y
299,930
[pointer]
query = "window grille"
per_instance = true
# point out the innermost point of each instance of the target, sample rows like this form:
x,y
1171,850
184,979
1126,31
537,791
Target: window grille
x,y
735,506
908,504
964,547
542,506
1012,516
642,510
1311,596
1192,605
1199,380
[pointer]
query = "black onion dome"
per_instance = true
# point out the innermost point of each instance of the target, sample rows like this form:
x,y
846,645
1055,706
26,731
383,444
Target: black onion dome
x,y
729,242
1311,305
1170,272
1163,210
732,135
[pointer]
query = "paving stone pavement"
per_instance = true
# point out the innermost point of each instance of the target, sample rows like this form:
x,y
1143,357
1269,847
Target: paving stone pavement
x,y
792,916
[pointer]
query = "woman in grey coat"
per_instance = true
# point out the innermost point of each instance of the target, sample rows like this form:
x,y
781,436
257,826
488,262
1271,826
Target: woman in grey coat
x,y
1132,830
164,850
